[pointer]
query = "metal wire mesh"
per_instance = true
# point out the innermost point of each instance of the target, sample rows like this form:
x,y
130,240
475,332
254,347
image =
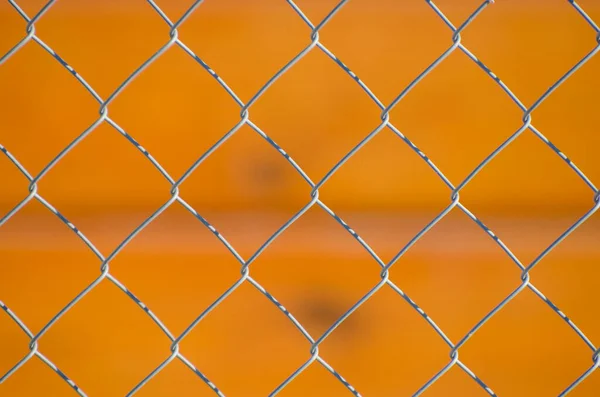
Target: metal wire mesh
x,y
454,30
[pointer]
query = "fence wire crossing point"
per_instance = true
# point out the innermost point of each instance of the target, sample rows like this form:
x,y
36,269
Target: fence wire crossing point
x,y
35,344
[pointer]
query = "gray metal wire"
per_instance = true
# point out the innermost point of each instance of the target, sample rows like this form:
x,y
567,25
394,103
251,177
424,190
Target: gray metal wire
x,y
245,277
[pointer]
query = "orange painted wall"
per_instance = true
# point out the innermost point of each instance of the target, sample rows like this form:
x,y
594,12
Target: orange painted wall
x,y
456,115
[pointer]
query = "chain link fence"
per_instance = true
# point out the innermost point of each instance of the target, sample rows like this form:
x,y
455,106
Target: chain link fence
x,y
245,119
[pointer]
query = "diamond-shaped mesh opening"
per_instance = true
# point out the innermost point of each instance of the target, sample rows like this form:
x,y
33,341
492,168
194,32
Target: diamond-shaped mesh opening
x,y
308,284
374,38
503,39
256,39
44,265
393,350
130,32
247,175
527,337
372,190
160,109
460,128
445,278
63,109
303,114
546,197
123,341
103,183
190,280
249,336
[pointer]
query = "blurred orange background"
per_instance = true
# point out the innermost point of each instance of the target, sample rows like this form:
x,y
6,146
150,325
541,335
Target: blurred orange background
x,y
457,115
